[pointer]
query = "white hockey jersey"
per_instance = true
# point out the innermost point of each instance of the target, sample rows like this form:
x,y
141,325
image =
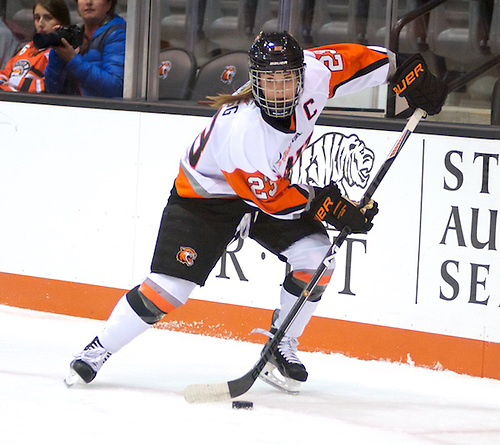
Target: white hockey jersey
x,y
241,155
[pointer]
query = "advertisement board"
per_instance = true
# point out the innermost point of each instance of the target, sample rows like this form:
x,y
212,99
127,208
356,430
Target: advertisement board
x,y
83,190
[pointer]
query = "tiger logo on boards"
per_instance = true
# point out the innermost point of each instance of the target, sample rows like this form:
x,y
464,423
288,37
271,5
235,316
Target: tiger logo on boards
x,y
228,74
186,255
336,157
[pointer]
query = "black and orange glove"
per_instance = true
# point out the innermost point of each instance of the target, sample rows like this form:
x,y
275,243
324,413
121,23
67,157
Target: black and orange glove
x,y
421,89
330,206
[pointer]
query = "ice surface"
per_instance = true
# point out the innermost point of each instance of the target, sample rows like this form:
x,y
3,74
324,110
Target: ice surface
x,y
138,395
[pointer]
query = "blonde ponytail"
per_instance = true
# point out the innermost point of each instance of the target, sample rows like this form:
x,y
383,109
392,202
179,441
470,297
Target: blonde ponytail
x,y
244,94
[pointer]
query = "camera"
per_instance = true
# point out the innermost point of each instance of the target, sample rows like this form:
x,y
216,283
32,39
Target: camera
x,y
73,34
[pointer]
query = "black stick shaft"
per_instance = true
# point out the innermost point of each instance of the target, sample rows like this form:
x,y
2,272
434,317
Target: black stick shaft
x,y
242,385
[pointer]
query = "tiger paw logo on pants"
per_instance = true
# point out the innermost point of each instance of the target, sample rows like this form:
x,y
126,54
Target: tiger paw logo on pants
x,y
186,255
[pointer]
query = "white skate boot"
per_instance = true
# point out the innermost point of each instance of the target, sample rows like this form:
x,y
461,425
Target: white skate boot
x,y
284,369
87,363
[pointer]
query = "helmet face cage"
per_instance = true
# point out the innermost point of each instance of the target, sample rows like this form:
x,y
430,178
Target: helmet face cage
x,y
276,71
277,93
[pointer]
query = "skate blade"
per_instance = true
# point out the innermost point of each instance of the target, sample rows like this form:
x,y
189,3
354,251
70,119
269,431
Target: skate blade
x,y
72,378
273,377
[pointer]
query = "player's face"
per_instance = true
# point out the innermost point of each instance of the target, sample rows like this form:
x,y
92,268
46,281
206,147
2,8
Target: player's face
x,y
279,87
44,21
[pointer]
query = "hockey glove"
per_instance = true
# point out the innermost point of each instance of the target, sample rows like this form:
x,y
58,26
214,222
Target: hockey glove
x,y
419,86
328,205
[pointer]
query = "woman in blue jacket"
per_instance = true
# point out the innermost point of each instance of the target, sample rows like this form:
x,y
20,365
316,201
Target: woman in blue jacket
x,y
96,68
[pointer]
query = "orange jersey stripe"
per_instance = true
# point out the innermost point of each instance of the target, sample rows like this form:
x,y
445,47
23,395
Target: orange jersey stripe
x,y
183,186
347,61
273,197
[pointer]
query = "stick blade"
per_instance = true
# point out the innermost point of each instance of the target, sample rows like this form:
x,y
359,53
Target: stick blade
x,y
207,392
240,386
219,392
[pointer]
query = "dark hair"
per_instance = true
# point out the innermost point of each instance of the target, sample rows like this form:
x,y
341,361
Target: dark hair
x,y
112,9
58,9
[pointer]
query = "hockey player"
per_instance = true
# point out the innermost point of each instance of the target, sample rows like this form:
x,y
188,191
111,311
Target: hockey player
x,y
234,178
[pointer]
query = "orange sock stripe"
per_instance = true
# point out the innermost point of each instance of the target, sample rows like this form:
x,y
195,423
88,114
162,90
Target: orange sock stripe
x,y
156,298
305,277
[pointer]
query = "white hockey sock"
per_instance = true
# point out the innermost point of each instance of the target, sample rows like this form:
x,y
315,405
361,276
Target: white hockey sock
x,y
122,327
297,327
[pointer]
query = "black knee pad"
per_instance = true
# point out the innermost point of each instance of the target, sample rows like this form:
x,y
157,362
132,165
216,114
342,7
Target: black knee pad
x,y
143,306
295,286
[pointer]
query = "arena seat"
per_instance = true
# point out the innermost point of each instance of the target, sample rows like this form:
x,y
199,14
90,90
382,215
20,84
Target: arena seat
x,y
302,27
73,13
121,8
413,36
21,13
228,25
222,74
9,44
266,16
182,27
12,6
334,21
458,32
176,73
174,23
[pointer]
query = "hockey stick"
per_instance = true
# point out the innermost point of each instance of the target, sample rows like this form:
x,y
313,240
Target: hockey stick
x,y
214,392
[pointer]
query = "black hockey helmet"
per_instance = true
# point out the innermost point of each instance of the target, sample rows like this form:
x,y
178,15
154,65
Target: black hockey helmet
x,y
276,51
270,53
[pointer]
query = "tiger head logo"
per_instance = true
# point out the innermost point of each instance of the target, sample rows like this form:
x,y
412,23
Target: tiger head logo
x,y
228,74
21,68
165,68
186,255
336,157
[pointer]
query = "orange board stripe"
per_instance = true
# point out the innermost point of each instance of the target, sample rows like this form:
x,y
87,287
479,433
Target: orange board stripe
x,y
364,341
59,297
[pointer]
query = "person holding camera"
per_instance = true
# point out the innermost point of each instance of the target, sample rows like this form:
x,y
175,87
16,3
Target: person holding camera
x,y
94,67
25,72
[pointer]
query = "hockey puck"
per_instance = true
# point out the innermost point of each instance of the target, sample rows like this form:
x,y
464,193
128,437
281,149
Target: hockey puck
x,y
242,404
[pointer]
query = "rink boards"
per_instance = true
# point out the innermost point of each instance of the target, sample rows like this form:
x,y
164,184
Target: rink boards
x,y
83,191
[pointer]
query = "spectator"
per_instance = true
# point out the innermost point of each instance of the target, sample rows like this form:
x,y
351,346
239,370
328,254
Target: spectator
x,y
25,71
96,68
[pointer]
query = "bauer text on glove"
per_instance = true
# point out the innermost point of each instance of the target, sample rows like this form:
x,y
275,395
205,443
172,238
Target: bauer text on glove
x,y
419,86
328,205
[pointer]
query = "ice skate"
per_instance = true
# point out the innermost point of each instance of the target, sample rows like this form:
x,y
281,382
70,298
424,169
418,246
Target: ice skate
x,y
284,369
87,363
